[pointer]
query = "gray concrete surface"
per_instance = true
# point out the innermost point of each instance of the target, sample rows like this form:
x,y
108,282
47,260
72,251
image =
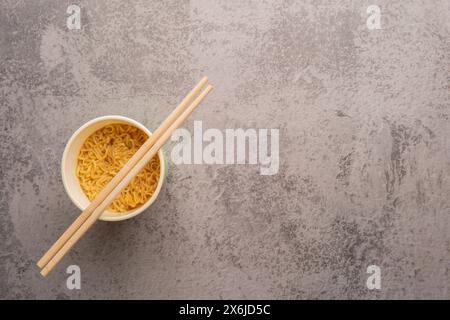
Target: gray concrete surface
x,y
364,148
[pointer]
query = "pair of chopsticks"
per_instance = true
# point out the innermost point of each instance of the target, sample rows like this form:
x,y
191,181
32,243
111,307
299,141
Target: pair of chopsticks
x,y
136,163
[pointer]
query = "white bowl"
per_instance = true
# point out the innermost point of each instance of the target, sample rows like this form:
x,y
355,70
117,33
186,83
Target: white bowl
x,y
69,163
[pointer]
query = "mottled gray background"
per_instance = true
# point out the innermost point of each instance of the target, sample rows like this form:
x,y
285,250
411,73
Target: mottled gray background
x,y
364,148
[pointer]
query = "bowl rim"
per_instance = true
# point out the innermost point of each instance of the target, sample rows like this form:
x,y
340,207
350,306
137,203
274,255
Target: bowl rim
x,y
162,174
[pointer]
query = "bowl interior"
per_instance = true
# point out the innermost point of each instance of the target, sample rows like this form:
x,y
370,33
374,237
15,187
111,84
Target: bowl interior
x,y
69,164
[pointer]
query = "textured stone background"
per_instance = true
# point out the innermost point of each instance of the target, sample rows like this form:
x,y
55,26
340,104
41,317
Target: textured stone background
x,y
364,148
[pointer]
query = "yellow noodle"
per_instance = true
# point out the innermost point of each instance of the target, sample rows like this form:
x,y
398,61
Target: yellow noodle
x,y
101,157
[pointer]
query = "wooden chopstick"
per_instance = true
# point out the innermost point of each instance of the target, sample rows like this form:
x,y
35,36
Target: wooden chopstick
x,y
122,173
122,184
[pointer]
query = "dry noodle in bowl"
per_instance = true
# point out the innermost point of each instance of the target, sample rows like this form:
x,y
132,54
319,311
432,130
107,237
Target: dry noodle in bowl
x,y
97,152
